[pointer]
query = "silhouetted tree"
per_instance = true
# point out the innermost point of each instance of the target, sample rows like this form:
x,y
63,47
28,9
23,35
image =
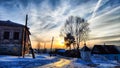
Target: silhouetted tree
x,y
77,28
69,39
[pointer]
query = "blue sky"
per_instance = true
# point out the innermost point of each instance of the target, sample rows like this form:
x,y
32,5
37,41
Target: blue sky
x,y
46,17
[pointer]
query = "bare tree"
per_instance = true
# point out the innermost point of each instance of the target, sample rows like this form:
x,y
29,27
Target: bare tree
x,y
78,28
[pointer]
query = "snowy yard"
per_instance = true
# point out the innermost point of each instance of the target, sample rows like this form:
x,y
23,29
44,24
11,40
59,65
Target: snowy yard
x,y
27,62
45,61
78,63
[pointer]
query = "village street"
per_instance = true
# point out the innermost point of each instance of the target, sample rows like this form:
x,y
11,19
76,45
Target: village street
x,y
67,62
41,61
45,61
59,64
63,63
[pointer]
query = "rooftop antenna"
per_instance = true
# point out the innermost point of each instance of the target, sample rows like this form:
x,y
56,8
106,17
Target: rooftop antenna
x,y
84,43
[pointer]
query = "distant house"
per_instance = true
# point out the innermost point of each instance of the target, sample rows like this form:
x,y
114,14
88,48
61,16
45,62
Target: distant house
x,y
61,51
11,38
118,47
108,51
85,53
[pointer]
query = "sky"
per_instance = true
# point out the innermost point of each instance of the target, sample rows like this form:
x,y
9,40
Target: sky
x,y
46,18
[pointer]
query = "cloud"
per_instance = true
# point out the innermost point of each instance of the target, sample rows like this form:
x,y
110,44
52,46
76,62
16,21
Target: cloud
x,y
46,17
97,6
106,23
107,37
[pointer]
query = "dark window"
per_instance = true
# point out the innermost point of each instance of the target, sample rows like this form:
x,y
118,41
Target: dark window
x,y
16,36
6,35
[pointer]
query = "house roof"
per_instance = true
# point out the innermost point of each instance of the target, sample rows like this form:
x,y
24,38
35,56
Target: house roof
x,y
118,47
85,48
61,50
105,49
10,23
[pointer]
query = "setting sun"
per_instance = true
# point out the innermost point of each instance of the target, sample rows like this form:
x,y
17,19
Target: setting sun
x,y
61,42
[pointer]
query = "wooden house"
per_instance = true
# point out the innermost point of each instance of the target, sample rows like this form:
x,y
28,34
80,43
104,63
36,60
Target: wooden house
x,y
110,52
12,38
85,53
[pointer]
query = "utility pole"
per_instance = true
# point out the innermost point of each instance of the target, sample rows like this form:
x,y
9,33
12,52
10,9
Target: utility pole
x,y
44,45
25,28
24,40
39,46
51,46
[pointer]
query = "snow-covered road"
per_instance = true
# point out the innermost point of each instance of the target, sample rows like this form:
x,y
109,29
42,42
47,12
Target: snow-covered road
x,y
59,64
63,63
66,62
45,61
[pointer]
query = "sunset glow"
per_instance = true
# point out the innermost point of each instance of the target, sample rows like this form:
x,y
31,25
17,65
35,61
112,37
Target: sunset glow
x,y
46,18
61,42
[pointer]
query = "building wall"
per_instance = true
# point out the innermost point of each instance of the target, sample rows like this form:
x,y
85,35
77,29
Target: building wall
x,y
110,56
10,46
86,55
10,49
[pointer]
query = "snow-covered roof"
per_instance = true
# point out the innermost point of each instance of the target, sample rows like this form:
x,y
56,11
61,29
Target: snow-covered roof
x,y
10,23
118,47
61,50
85,48
105,49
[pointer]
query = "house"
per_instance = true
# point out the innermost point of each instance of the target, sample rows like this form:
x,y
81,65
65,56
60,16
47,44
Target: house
x,y
12,38
110,52
85,53
118,47
61,51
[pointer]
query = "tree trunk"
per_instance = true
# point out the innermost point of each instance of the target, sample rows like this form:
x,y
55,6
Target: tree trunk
x,y
69,47
74,46
78,51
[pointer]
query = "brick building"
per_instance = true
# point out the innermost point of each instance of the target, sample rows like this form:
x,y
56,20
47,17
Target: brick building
x,y
12,38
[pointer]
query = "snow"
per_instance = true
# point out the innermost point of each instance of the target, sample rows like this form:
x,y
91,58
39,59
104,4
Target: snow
x,y
62,50
94,63
27,62
45,61
104,61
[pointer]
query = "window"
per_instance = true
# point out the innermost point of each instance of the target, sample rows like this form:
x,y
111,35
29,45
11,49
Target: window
x,y
6,35
16,36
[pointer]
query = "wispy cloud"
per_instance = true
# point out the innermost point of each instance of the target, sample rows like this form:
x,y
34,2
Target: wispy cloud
x,y
96,7
46,17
